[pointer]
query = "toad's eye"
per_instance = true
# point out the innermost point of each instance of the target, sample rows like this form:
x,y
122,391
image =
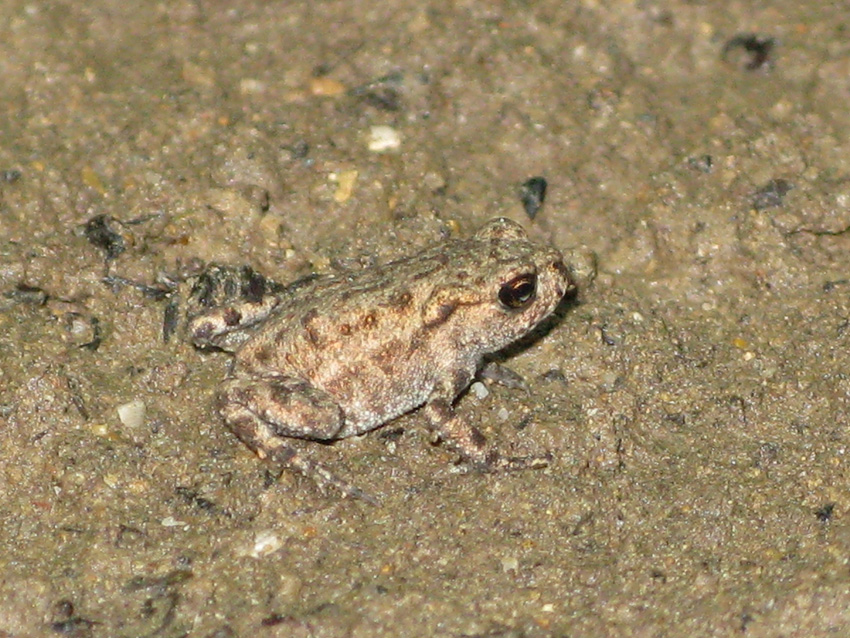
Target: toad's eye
x,y
519,291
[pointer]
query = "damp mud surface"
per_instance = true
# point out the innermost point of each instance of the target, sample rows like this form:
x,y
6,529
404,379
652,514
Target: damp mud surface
x,y
694,398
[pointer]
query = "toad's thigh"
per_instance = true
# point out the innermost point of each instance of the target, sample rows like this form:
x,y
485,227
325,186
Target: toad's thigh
x,y
256,407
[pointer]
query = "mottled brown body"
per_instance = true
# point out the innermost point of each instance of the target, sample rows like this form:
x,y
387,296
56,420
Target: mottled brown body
x,y
341,355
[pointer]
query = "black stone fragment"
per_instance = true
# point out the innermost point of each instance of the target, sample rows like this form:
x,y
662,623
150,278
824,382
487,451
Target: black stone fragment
x,y
756,49
532,194
100,233
771,194
23,293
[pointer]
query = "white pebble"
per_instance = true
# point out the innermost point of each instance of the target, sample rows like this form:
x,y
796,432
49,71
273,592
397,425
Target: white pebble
x,y
132,414
510,563
479,390
383,138
249,86
265,543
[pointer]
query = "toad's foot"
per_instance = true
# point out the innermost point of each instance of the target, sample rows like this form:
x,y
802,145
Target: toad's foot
x,y
264,412
323,477
467,441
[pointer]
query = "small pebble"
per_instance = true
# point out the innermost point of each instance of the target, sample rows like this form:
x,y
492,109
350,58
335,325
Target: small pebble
x,y
91,179
99,429
100,231
345,183
772,194
479,390
251,86
749,51
383,138
510,563
532,194
324,86
132,414
265,543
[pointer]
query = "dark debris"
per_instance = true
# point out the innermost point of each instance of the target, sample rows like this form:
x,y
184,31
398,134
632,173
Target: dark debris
x,y
156,291
24,293
10,175
771,194
96,335
101,233
68,623
825,513
755,51
532,194
192,497
382,93
701,163
158,583
170,319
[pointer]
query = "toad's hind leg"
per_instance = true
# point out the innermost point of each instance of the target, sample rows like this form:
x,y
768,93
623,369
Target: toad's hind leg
x,y
471,444
263,412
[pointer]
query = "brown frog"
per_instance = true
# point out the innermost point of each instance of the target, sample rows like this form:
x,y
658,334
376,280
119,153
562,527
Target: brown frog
x,y
336,356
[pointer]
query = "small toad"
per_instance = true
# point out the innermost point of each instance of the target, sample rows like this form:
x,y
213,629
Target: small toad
x,y
334,356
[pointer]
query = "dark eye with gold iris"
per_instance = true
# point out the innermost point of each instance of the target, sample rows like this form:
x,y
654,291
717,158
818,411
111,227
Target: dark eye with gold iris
x,y
519,291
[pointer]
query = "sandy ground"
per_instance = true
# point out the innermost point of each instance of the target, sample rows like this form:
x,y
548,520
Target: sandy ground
x,y
694,399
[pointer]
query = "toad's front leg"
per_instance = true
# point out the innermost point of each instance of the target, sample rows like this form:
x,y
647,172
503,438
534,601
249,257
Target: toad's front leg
x,y
263,411
228,327
467,441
